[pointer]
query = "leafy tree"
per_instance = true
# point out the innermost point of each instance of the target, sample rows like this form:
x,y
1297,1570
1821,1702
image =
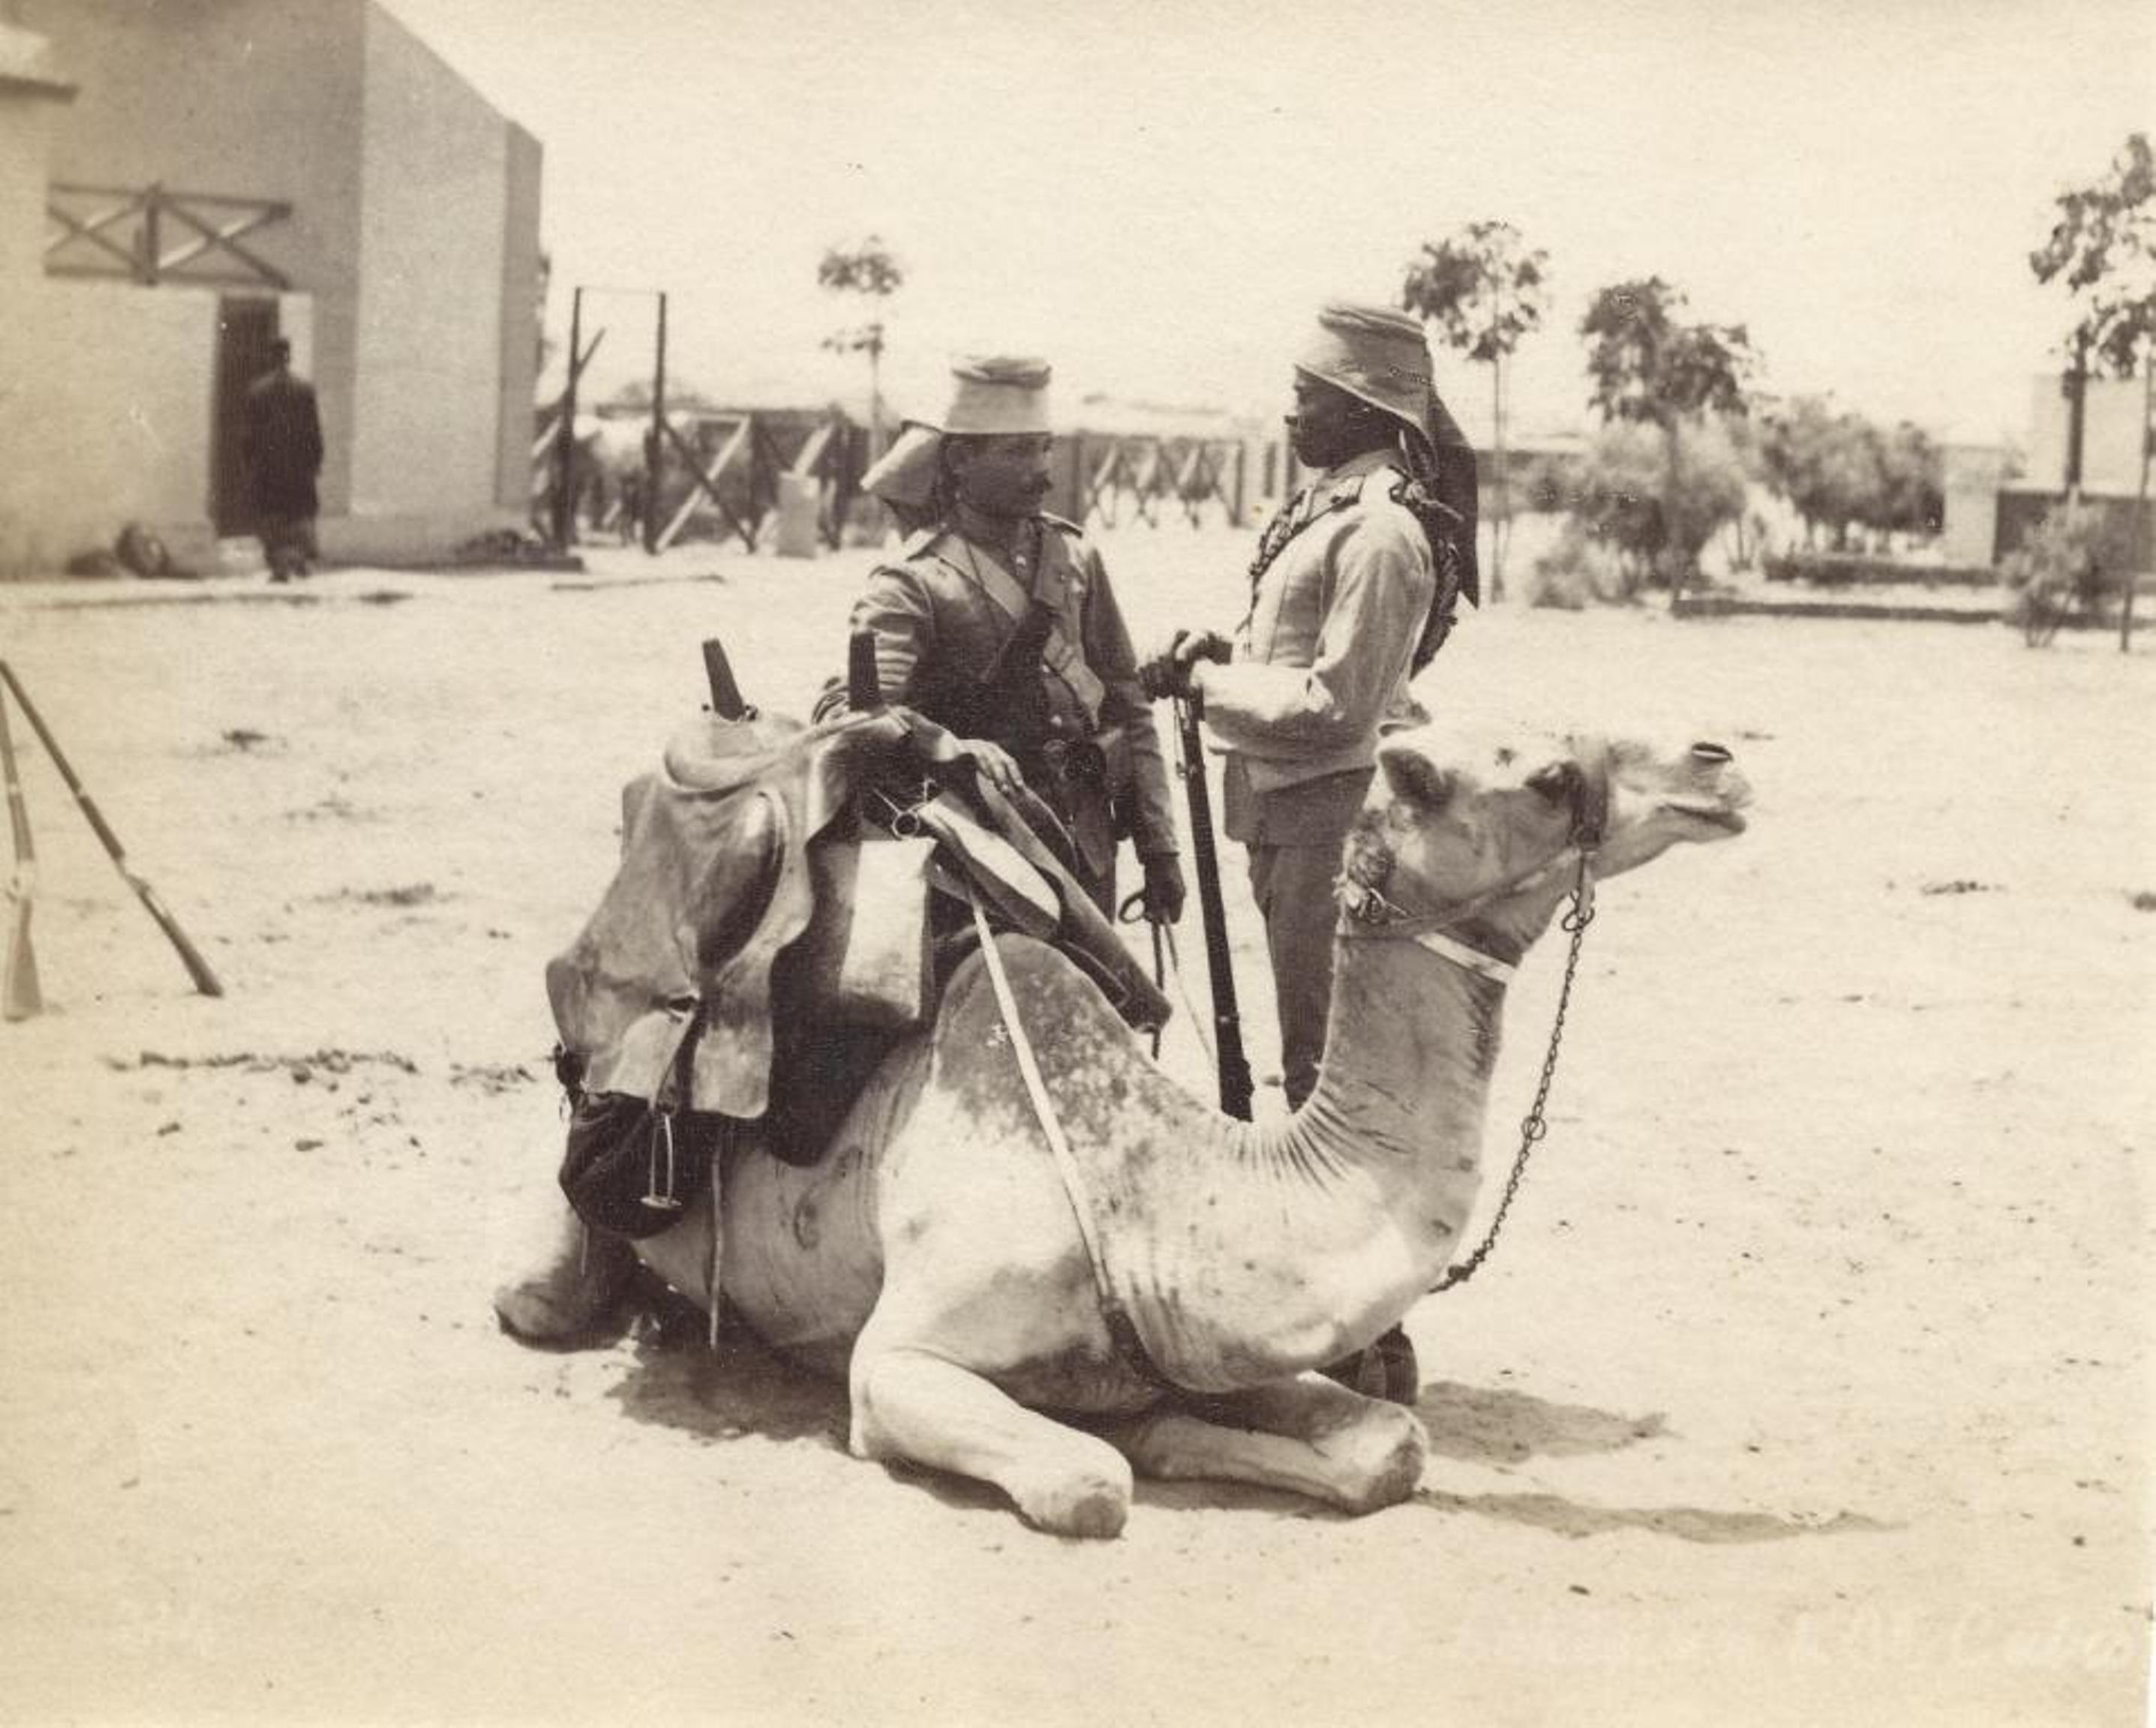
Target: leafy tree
x,y
1824,462
1484,288
1622,498
1647,365
1912,477
870,271
1840,471
2103,248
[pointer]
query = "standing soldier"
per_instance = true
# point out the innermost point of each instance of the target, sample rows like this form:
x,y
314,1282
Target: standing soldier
x,y
1352,590
283,452
998,623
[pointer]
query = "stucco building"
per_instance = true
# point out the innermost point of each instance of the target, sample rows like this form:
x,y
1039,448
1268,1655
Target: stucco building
x,y
180,183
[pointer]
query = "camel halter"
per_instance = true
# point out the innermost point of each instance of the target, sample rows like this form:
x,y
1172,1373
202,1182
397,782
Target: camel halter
x,y
1371,914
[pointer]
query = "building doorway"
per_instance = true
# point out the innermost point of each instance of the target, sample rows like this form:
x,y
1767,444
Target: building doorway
x,y
245,328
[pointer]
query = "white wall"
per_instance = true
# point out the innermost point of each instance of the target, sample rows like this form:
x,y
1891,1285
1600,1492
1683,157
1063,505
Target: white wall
x,y
435,164
105,417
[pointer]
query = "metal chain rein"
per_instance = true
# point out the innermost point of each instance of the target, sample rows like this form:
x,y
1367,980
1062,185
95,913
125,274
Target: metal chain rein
x,y
1533,1127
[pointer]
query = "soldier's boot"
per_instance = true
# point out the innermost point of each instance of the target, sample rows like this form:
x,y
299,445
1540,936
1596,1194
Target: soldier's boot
x,y
574,1293
1385,1369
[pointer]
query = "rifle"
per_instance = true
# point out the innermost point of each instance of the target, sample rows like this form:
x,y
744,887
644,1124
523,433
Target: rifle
x,y
1227,1022
205,980
19,995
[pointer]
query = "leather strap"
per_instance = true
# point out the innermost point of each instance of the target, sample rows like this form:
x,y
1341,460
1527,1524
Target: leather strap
x,y
1122,1331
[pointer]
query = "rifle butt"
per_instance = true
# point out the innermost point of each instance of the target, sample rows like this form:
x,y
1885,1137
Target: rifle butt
x,y
20,996
205,980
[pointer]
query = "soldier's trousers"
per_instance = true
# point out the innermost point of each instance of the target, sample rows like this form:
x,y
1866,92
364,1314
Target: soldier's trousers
x,y
1294,841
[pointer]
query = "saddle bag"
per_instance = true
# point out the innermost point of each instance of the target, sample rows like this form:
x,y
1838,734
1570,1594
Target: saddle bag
x,y
865,959
636,1157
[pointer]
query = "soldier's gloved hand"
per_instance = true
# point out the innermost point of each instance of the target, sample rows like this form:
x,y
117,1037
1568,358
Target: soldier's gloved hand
x,y
994,764
1163,887
1167,673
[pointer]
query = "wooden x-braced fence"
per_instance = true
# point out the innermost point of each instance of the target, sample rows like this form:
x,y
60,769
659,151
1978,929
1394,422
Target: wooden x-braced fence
x,y
735,464
150,234
1143,476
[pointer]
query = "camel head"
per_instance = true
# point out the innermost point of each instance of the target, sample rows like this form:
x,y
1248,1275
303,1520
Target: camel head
x,y
1487,840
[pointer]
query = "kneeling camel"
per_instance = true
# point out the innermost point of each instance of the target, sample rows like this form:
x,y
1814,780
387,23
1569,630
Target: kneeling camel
x,y
1155,1294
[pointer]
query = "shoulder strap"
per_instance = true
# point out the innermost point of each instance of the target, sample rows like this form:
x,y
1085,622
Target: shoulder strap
x,y
1058,652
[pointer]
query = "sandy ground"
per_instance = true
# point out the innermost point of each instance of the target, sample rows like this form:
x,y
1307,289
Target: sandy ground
x,y
1811,1381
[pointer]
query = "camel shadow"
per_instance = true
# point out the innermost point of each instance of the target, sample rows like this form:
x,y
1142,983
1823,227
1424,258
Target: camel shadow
x,y
744,1389
740,1388
1500,1428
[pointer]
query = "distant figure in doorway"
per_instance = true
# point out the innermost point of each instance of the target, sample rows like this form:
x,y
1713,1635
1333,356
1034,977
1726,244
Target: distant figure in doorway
x,y
284,451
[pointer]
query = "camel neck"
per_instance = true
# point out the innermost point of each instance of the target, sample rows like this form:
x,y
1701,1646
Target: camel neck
x,y
1404,1086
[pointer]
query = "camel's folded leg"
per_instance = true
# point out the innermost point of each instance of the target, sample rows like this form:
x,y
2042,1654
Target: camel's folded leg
x,y
909,1404
1308,1436
568,1288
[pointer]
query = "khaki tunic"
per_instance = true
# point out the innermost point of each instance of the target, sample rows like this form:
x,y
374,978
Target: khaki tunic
x,y
943,614
1323,656
1322,665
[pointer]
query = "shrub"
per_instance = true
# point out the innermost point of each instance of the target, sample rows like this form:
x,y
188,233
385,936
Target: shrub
x,y
1579,571
1619,493
2060,571
1842,569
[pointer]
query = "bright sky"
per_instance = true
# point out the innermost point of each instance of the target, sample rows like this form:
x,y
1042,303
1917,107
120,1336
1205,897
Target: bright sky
x,y
1156,196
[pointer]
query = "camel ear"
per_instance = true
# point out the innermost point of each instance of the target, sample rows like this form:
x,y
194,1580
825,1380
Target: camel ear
x,y
1413,775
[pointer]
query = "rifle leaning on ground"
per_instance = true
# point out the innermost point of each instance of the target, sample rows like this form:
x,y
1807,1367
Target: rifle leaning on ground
x,y
19,995
1219,966
205,980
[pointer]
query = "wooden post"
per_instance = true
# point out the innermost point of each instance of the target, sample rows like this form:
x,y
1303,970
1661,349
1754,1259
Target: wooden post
x,y
565,447
1503,522
2076,410
2141,538
654,447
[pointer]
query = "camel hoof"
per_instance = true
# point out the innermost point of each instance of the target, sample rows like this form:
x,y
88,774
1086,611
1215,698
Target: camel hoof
x,y
1087,1507
1401,1448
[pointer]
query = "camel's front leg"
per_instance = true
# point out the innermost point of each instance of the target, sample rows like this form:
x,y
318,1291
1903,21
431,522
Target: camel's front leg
x,y
1308,1436
911,1404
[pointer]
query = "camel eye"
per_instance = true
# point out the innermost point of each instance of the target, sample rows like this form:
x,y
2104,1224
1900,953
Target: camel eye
x,y
1554,782
1711,753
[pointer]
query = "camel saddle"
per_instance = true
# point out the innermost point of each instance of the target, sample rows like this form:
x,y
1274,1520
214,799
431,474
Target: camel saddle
x,y
723,851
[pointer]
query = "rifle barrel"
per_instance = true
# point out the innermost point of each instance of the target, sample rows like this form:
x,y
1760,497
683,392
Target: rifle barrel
x,y
1236,1085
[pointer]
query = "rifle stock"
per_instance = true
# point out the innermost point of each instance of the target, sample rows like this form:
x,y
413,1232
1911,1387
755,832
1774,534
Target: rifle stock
x,y
20,998
1227,1020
